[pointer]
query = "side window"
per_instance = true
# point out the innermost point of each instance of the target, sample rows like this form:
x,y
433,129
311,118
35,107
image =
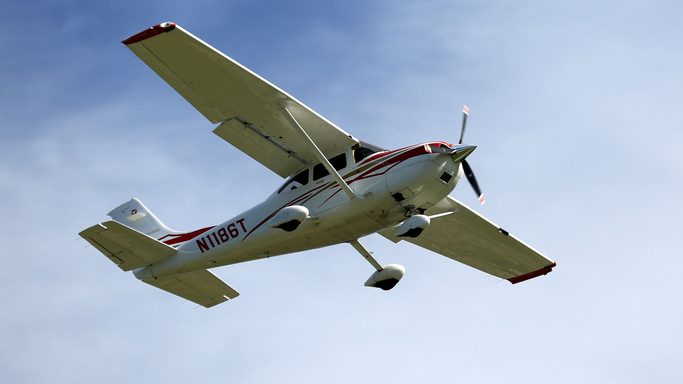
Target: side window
x,y
295,182
319,171
338,162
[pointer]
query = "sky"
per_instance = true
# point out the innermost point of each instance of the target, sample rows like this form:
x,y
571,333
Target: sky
x,y
575,107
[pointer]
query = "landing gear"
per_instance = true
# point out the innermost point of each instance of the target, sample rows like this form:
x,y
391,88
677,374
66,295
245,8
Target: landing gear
x,y
413,226
385,277
411,210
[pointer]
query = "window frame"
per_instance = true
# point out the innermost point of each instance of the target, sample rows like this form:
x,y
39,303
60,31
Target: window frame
x,y
296,178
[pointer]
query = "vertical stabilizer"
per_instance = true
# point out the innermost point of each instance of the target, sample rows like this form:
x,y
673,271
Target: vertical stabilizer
x,y
135,215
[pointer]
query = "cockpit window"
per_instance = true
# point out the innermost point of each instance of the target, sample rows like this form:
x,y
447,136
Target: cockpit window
x,y
364,150
295,182
361,153
338,162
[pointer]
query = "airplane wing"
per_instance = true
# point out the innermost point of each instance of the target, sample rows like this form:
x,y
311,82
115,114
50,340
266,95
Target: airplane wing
x,y
127,248
249,108
471,239
201,287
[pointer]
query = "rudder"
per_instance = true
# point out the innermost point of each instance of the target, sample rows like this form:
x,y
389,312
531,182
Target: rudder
x,y
135,215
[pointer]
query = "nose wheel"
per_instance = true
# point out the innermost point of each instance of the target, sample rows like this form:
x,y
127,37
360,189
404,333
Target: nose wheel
x,y
385,277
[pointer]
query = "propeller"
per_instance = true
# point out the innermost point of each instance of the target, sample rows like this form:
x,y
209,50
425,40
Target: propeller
x,y
465,165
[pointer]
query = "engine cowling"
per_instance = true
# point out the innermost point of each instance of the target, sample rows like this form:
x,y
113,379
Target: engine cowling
x,y
413,226
289,218
387,278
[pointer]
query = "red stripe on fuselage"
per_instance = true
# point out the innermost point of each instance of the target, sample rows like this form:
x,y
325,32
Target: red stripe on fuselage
x,y
390,163
183,237
399,157
393,161
299,199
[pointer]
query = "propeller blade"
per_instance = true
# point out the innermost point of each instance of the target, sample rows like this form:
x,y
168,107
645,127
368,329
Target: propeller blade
x,y
466,151
465,113
473,181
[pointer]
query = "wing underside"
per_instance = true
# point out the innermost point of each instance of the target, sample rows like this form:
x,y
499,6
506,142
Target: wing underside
x,y
471,239
249,108
126,247
201,287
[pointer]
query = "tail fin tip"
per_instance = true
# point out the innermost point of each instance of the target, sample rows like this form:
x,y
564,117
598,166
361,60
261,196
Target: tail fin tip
x,y
134,214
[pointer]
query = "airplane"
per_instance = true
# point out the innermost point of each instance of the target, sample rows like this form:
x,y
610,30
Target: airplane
x,y
338,188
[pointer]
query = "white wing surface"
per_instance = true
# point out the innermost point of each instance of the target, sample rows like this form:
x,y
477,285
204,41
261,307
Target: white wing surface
x,y
201,287
126,247
248,107
471,239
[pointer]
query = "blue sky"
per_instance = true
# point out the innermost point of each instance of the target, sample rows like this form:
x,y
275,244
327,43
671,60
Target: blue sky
x,y
576,108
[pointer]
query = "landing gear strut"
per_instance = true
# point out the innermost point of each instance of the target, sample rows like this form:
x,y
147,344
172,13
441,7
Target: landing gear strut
x,y
385,277
411,210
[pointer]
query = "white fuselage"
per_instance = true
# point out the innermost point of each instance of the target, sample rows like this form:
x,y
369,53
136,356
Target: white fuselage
x,y
387,185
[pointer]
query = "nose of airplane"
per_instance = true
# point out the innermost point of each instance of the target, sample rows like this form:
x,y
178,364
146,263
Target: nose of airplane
x,y
460,152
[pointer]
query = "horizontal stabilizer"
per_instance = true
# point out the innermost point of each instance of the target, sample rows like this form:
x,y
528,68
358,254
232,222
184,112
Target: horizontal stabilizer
x,y
126,247
201,287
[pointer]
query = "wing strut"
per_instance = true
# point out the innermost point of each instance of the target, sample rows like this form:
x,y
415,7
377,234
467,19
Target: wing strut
x,y
326,163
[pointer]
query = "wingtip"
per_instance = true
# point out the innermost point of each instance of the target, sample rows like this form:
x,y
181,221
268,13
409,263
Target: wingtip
x,y
543,271
150,32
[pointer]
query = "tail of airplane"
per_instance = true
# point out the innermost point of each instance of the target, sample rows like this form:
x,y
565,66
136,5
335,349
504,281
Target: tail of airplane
x,y
135,215
136,239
